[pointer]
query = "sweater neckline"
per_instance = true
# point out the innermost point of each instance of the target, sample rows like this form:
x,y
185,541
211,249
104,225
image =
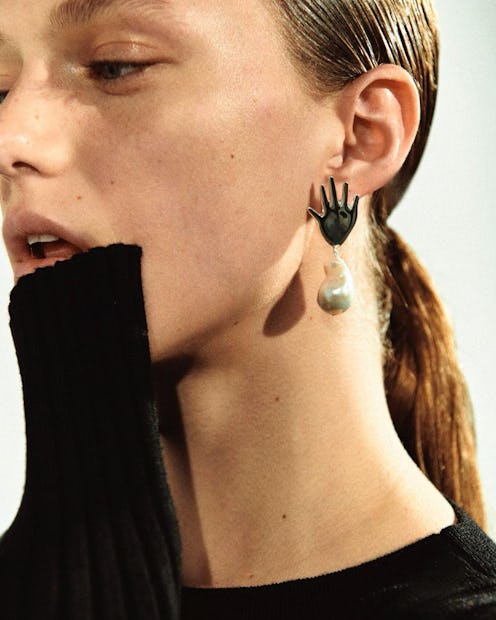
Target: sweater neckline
x,y
458,530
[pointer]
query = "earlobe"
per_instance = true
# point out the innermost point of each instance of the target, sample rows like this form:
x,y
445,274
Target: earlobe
x,y
381,113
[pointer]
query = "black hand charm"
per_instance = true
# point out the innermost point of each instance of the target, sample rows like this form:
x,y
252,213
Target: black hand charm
x,y
336,221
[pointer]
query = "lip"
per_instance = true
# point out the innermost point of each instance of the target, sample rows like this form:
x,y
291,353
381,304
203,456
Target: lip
x,y
21,223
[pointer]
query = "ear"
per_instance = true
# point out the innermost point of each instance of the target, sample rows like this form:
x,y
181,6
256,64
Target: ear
x,y
380,113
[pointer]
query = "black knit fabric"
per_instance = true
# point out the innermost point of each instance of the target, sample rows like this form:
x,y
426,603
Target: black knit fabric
x,y
95,536
451,575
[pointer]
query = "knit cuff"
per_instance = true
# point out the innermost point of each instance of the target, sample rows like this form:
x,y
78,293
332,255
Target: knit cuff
x,y
96,534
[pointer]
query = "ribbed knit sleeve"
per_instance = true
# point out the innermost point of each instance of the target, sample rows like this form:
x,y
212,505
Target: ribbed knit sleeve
x,y
96,534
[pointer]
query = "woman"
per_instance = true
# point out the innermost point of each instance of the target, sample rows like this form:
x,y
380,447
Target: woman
x,y
295,442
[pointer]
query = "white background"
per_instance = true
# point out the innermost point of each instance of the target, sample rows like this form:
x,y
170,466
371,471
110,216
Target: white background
x,y
448,216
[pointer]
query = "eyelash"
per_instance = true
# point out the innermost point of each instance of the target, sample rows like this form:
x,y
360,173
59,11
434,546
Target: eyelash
x,y
96,69
95,72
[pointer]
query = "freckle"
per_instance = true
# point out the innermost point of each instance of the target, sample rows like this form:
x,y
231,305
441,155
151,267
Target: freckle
x,y
251,576
283,516
236,323
37,117
277,399
232,155
79,197
112,182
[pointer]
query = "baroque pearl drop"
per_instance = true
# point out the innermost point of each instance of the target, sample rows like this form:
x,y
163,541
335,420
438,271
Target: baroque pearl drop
x,y
337,290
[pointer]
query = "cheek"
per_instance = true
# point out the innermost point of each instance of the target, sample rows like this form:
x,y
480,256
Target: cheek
x,y
220,177
215,193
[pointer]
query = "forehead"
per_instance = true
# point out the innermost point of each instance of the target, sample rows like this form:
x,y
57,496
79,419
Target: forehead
x,y
36,17
63,12
34,14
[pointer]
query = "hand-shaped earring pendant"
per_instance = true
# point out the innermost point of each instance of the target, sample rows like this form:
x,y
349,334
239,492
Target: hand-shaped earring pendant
x,y
336,222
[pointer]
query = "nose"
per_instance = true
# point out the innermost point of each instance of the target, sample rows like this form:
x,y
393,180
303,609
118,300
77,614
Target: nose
x,y
32,133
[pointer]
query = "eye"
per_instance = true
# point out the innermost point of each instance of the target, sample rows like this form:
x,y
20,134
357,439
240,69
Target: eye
x,y
3,95
113,70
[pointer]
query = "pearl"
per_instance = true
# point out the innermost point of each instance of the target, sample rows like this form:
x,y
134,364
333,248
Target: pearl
x,y
337,290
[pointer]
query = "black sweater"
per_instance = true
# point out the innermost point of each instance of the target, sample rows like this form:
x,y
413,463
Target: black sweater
x,y
96,536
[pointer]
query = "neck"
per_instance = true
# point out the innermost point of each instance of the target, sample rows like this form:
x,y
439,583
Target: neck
x,y
280,464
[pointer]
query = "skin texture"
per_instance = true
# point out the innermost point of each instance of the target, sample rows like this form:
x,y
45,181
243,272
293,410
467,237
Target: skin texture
x,y
194,184
277,440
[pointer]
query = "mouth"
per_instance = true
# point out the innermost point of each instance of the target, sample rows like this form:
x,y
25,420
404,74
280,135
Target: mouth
x,y
35,241
33,251
46,249
41,245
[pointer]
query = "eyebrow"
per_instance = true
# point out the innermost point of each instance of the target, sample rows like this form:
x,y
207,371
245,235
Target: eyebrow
x,y
75,12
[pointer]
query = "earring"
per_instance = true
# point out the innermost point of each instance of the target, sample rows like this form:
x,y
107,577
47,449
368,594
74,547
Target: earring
x,y
336,222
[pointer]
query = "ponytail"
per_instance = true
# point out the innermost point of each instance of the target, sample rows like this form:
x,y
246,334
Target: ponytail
x,y
426,391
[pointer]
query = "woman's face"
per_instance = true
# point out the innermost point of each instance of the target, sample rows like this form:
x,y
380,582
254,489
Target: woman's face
x,y
178,125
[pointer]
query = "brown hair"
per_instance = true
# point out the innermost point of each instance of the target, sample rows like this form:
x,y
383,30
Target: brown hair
x,y
333,42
